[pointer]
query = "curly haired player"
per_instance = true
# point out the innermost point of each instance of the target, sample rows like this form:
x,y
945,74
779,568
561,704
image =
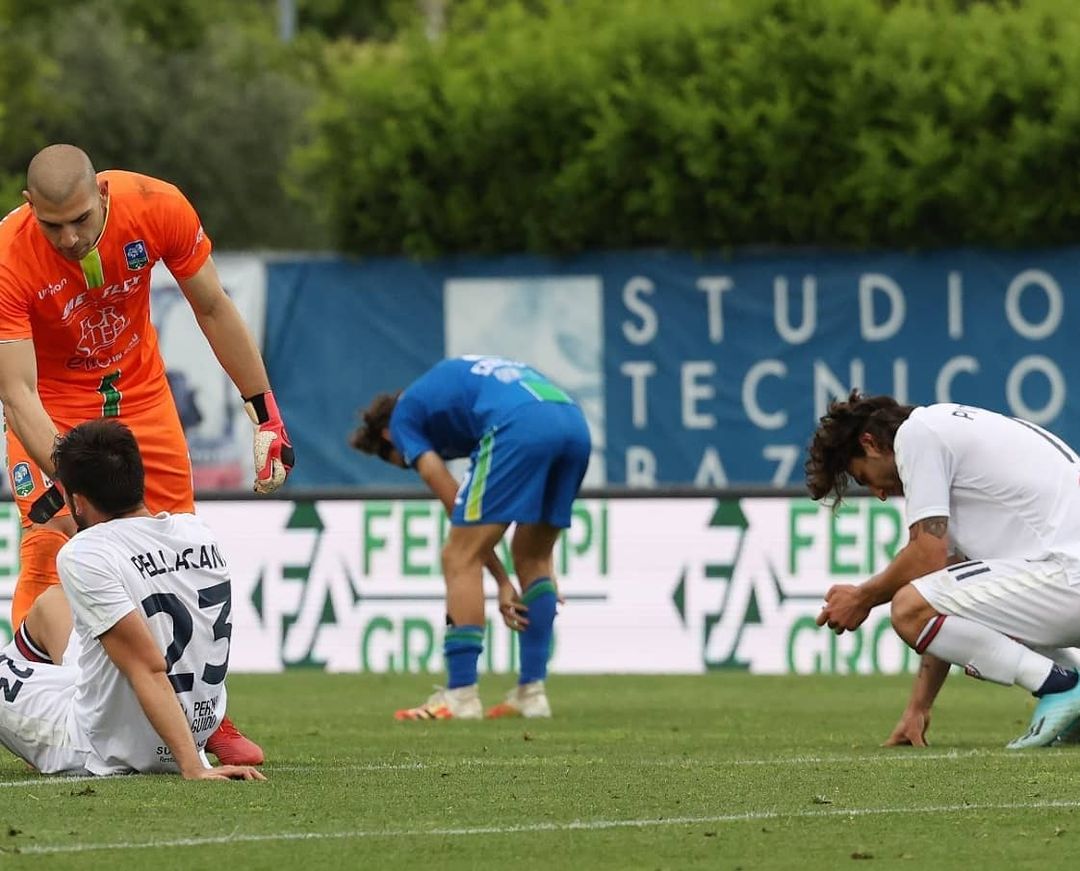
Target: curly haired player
x,y
990,577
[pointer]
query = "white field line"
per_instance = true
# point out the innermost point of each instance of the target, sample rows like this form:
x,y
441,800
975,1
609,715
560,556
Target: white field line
x,y
899,758
529,828
33,780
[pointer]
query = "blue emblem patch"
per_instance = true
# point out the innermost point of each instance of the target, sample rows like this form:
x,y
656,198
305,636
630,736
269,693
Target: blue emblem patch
x,y
22,481
136,255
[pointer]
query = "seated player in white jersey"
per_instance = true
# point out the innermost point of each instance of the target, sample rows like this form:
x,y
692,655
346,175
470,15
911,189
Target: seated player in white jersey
x,y
142,685
990,578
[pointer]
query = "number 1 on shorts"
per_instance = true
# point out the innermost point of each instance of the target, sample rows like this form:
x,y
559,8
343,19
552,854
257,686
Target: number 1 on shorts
x,y
110,395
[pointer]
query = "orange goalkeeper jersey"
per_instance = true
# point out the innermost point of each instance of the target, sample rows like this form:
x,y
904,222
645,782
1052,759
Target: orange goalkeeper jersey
x,y
90,320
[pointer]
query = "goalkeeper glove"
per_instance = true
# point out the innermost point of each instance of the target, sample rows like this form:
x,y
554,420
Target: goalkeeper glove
x,y
273,451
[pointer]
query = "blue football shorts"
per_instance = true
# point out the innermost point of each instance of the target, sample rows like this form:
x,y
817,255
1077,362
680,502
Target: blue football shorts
x,y
527,469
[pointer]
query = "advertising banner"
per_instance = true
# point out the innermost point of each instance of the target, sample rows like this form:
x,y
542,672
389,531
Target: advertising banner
x,y
718,369
350,585
705,370
9,564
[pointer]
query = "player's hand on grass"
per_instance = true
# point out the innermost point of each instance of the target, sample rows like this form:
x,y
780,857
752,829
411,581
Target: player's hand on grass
x,y
226,772
511,607
274,456
845,608
910,731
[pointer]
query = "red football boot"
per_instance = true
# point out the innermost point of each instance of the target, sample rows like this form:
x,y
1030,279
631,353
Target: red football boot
x,y
231,747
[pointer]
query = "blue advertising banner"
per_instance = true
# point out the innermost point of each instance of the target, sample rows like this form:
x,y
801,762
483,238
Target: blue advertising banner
x,y
706,370
337,333
717,369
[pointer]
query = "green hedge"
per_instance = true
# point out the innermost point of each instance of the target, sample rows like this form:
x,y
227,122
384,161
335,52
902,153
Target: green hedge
x,y
560,125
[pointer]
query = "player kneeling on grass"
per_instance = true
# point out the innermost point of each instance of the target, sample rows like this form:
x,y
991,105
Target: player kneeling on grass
x,y
149,596
529,445
990,578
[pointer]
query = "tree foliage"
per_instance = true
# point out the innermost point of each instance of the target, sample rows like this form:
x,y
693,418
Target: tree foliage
x,y
372,19
562,125
555,126
174,89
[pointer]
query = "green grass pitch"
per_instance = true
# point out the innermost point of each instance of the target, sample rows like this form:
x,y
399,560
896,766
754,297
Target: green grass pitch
x,y
721,771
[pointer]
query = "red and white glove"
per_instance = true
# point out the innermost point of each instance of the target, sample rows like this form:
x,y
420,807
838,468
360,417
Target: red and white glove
x,y
274,455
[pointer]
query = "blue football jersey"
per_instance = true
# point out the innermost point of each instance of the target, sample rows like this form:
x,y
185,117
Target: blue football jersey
x,y
450,407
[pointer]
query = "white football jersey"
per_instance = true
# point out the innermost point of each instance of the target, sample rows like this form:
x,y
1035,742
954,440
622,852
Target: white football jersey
x,y
1009,488
170,570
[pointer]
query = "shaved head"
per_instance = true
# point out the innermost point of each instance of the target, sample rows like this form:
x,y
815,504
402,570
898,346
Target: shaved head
x,y
67,199
58,172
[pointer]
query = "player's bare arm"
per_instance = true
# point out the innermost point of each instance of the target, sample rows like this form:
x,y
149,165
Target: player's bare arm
x,y
225,330
915,720
235,348
927,551
22,406
847,605
131,647
434,473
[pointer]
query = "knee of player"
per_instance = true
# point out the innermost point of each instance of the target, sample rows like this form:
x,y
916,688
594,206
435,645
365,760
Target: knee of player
x,y
451,557
457,558
910,612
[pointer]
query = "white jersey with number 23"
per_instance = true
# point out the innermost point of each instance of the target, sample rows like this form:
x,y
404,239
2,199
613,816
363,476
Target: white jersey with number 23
x,y
169,569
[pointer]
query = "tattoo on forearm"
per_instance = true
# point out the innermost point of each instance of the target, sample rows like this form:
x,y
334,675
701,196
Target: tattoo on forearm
x,y
935,526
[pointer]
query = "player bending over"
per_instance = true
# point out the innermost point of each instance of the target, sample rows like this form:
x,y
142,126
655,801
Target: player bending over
x,y
529,445
150,598
990,578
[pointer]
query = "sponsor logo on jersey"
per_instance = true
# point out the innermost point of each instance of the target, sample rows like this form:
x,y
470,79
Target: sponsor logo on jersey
x,y
100,329
136,255
22,481
53,288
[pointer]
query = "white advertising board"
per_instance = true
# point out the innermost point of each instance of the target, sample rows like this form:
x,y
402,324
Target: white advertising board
x,y
650,585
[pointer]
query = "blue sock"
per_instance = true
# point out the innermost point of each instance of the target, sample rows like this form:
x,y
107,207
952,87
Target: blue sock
x,y
461,649
1059,680
535,639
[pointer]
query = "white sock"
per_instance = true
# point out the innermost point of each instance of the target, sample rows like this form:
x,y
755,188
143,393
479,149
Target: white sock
x,y
1066,657
984,653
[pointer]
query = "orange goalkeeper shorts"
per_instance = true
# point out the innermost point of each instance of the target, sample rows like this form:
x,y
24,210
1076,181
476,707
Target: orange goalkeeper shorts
x,y
164,453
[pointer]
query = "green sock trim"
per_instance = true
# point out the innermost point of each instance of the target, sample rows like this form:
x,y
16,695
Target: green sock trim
x,y
455,634
538,589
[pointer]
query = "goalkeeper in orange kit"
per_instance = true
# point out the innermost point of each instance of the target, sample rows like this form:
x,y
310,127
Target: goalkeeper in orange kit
x,y
76,342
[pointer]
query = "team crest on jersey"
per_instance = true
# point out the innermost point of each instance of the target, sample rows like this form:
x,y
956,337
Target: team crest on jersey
x,y
136,255
22,481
